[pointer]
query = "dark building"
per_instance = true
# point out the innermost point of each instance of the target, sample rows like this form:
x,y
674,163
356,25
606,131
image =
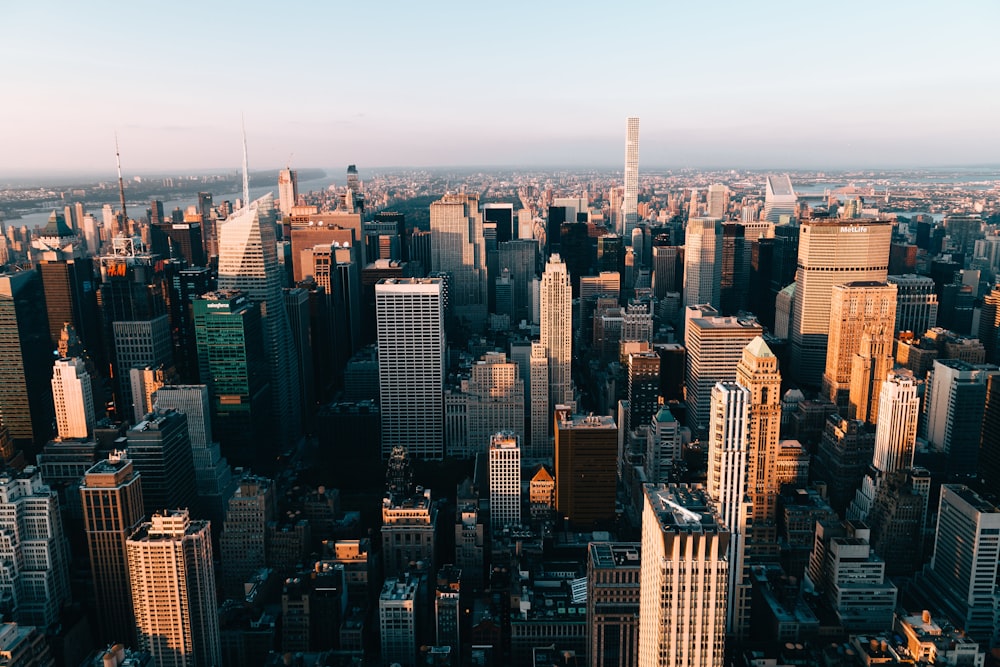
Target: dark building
x,y
902,259
520,257
643,388
733,288
160,450
186,285
845,452
613,603
503,216
761,299
179,238
553,227
326,376
989,443
586,452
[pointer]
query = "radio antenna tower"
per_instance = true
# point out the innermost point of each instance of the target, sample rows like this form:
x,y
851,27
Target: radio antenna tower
x,y
121,183
246,175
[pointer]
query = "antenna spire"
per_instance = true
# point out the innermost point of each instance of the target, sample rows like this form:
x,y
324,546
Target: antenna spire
x,y
246,176
121,183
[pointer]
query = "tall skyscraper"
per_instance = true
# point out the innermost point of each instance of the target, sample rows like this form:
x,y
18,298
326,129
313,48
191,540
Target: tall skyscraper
x,y
173,590
779,199
683,579
411,351
613,603
630,204
242,542
248,261
830,253
25,359
288,191
111,498
916,303
585,462
495,394
954,406
858,308
520,257
73,397
703,261
728,468
160,450
459,249
557,329
505,481
540,415
718,201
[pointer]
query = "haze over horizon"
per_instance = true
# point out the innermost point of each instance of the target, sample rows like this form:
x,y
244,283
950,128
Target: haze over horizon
x,y
524,85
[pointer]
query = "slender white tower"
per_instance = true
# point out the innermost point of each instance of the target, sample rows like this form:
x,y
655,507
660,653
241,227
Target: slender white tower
x,y
630,205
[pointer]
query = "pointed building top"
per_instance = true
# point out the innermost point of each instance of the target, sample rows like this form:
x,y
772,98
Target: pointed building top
x,y
56,226
758,348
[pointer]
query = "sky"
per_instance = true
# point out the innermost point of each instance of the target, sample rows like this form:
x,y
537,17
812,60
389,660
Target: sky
x,y
722,84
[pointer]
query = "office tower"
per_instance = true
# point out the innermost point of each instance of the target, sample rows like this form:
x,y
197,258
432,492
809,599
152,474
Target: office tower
x,y
954,405
297,310
448,609
642,388
637,323
557,329
248,261
186,284
503,216
989,442
288,191
144,383
703,261
409,525
729,470
630,203
111,498
830,253
668,269
385,237
735,269
495,393
398,615
242,542
868,369
844,455
857,308
539,447
916,303
613,603
231,357
714,347
173,590
459,249
962,574
989,323
717,199
682,579
505,481
779,199
663,446
179,238
73,398
25,360
411,349
139,344
898,517
336,228
520,257
160,450
586,451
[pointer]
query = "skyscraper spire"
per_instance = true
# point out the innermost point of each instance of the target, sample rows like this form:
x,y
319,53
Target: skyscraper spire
x,y
246,174
121,183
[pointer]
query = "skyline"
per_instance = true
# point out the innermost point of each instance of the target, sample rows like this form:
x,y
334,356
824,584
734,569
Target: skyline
x,y
340,85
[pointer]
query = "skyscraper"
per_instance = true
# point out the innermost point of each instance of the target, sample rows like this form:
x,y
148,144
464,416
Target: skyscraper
x,y
160,450
73,397
242,542
173,590
858,308
613,603
830,253
916,303
954,405
779,198
111,497
495,394
585,456
248,261
288,190
505,481
683,579
459,248
411,350
630,204
703,261
540,415
718,201
557,329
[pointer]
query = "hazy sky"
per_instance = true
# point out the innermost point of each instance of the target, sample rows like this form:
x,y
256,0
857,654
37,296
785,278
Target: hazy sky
x,y
726,84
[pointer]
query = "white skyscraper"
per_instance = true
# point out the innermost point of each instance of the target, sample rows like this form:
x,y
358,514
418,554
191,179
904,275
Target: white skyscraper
x,y
73,398
683,579
458,248
505,481
288,190
248,261
703,261
409,314
630,204
779,198
718,201
173,590
557,329
727,485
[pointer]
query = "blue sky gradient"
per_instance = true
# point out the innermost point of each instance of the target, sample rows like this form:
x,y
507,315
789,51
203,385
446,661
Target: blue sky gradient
x,y
723,84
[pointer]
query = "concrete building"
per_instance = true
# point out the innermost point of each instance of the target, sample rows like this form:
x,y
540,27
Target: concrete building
x,y
954,405
779,199
242,543
73,397
630,202
458,248
160,449
399,618
703,261
585,467
505,481
613,603
557,329
409,527
916,303
495,393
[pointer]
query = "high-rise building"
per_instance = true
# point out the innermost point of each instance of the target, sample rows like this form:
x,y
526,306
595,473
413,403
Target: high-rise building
x,y
140,344
613,603
505,481
779,199
830,253
954,405
173,590
858,308
735,269
717,199
520,257
586,451
111,498
25,359
459,249
714,347
557,329
630,203
728,468
663,446
916,303
242,542
73,398
703,261
411,350
683,578
409,527
248,261
399,620
540,416
495,401
642,388
288,191
962,574
160,450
